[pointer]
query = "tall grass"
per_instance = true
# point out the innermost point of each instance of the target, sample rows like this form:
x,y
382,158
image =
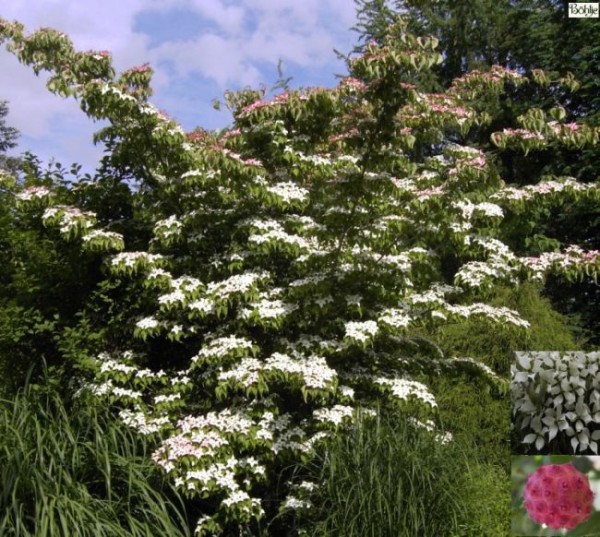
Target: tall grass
x,y
77,472
388,479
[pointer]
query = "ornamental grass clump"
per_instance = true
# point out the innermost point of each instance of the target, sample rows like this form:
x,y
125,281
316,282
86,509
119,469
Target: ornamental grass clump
x,y
72,469
388,477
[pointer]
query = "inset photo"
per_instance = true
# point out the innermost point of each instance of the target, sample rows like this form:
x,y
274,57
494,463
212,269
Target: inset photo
x,y
555,495
555,403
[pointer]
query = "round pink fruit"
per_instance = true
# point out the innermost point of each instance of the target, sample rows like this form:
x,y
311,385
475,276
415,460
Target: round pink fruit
x,y
559,496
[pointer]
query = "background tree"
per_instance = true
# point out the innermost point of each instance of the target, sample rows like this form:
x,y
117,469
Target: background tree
x,y
471,35
8,140
52,310
525,36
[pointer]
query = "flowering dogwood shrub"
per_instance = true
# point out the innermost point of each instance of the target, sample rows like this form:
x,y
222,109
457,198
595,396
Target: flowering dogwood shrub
x,y
556,400
296,255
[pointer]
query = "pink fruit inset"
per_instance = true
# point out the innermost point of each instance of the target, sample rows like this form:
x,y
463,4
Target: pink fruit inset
x,y
559,496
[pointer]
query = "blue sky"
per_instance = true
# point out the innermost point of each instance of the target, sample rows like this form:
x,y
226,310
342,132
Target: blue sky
x,y
198,49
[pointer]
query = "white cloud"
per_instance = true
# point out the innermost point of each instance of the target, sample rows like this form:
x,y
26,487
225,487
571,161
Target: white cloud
x,y
253,35
229,66
230,19
103,25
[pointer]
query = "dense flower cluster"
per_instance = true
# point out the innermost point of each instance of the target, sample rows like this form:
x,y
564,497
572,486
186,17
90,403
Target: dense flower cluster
x,y
403,389
574,260
71,221
101,240
128,262
168,230
33,193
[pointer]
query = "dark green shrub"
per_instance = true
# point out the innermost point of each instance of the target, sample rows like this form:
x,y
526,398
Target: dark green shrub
x,y
477,417
495,344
